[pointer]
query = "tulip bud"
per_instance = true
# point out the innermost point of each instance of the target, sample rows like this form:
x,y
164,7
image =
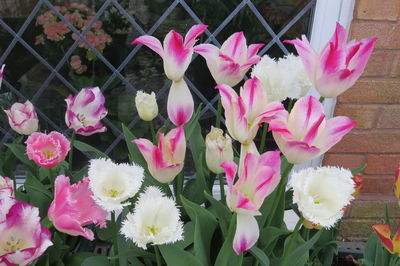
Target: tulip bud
x,y
358,184
146,105
218,149
23,118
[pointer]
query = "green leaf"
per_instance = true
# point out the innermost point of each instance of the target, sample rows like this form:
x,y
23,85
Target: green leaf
x,y
221,211
96,260
227,255
175,256
78,258
83,147
259,255
188,236
134,153
304,248
359,169
192,124
269,236
204,227
19,151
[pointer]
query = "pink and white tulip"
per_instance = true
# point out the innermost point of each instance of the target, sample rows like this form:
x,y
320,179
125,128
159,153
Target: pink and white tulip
x,y
1,74
338,66
22,118
22,238
47,150
229,64
73,207
305,133
180,105
259,178
164,161
6,187
85,110
244,113
176,52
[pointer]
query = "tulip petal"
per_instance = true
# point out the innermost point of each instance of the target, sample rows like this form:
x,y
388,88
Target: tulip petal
x,y
254,97
339,36
246,234
193,33
334,131
176,56
253,49
152,43
180,105
230,169
383,232
235,47
73,227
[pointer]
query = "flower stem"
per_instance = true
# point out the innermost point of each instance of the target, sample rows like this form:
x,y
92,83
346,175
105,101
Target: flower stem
x,y
115,236
219,113
153,132
321,99
292,240
263,138
222,187
179,187
71,152
158,255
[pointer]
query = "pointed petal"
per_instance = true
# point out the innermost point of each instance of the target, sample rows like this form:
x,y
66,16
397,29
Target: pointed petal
x,y
193,33
254,97
383,232
146,148
334,131
180,105
176,56
177,144
253,49
339,36
235,47
246,234
152,43
230,169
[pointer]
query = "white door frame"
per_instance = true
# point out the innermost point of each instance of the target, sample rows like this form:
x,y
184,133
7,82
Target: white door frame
x,y
326,14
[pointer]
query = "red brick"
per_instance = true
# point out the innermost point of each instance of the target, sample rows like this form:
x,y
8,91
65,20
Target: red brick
x,y
379,64
382,164
378,185
372,91
364,115
350,161
388,33
369,142
378,9
395,69
389,117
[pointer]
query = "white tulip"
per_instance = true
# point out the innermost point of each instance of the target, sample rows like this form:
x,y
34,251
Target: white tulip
x,y
112,183
146,105
218,149
285,78
322,193
155,220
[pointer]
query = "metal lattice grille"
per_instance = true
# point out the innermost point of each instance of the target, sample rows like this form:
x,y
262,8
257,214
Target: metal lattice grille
x,y
242,10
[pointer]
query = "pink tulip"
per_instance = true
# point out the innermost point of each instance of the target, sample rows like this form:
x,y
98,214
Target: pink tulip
x,y
22,238
22,118
177,52
1,74
85,110
305,133
259,178
47,150
180,105
6,187
73,207
244,113
338,66
229,64
165,161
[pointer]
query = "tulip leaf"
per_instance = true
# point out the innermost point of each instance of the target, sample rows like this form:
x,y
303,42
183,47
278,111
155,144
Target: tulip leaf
x,y
19,151
83,147
260,256
204,226
78,258
188,236
97,260
304,248
359,169
227,255
174,255
221,211
134,153
269,236
192,124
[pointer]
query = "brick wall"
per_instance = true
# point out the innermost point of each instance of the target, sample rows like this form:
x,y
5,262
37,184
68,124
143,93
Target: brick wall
x,y
374,102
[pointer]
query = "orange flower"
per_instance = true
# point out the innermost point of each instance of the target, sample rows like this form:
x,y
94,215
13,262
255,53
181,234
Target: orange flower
x,y
358,181
392,244
397,183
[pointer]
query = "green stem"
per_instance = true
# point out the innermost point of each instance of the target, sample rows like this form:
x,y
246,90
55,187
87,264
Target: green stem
x,y
153,132
158,255
263,138
292,240
321,99
222,187
115,236
179,187
71,152
280,192
219,113
290,105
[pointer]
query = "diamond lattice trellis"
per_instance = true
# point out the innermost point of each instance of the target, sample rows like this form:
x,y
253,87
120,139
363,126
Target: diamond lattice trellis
x,y
211,35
